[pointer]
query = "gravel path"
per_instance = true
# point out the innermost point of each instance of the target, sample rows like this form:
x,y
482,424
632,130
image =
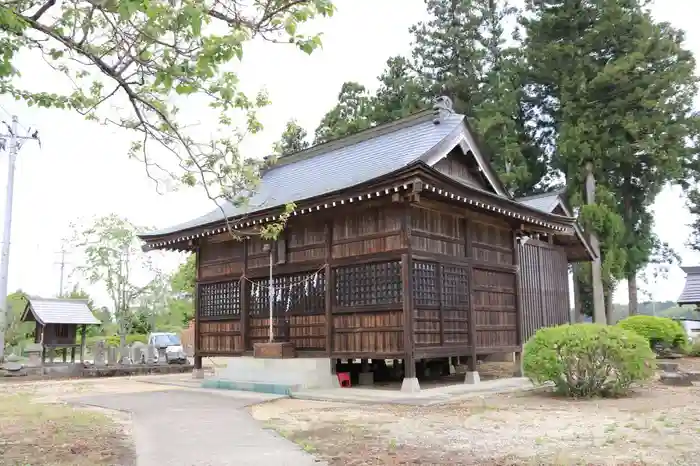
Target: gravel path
x,y
187,428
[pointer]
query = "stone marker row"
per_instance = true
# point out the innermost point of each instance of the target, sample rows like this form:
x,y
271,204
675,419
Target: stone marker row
x,y
137,353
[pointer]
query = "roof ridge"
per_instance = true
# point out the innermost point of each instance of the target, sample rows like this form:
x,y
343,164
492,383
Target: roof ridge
x,y
354,138
556,192
57,299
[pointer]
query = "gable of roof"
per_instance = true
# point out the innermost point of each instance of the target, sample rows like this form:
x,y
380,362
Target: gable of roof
x,y
691,289
550,203
546,202
58,311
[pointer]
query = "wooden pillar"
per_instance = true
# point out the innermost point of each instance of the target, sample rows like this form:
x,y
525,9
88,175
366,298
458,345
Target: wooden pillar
x,y
518,291
72,354
330,286
407,297
197,330
83,331
64,354
441,307
471,311
245,301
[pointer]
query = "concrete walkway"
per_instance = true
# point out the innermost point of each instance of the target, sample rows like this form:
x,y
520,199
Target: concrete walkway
x,y
425,397
180,427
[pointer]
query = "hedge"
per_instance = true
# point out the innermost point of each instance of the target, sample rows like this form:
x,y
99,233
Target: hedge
x,y
585,360
657,330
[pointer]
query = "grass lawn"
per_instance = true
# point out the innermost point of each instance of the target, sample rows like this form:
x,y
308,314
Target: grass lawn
x,y
33,434
657,425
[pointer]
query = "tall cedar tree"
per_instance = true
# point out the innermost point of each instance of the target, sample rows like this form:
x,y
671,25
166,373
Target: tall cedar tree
x,y
460,52
615,88
351,114
293,139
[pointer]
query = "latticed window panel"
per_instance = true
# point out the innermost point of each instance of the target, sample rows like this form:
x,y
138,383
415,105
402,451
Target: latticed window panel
x,y
220,299
455,286
368,284
425,284
300,294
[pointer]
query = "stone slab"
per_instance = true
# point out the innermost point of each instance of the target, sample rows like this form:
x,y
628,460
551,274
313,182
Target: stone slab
x,y
422,397
667,366
257,387
676,379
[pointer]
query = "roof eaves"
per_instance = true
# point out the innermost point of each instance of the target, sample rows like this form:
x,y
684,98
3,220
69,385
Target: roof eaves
x,y
401,176
565,220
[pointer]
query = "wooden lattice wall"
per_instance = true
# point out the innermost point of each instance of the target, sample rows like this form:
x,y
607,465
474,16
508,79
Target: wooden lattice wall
x,y
384,280
545,286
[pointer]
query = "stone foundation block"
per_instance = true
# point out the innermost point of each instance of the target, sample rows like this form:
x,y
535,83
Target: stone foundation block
x,y
410,385
471,377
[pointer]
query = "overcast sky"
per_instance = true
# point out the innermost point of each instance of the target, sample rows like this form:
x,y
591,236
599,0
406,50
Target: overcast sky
x,y
82,169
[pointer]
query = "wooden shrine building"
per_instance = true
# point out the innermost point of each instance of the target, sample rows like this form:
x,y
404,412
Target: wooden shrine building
x,y
691,289
57,321
404,244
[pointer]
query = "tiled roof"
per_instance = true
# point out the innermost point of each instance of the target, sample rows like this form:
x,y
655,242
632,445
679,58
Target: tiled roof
x,y
691,290
60,311
338,165
545,202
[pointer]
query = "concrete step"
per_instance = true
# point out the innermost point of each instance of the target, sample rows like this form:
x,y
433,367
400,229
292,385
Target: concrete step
x,y
246,386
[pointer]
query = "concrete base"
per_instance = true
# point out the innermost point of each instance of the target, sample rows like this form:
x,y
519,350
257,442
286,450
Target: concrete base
x,y
366,378
302,373
472,377
197,373
410,385
518,362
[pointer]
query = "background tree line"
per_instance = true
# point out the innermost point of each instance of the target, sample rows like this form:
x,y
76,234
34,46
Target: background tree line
x,y
549,88
142,298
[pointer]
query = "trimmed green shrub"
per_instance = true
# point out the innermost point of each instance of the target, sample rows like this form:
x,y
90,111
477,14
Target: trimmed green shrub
x,y
586,360
694,349
658,331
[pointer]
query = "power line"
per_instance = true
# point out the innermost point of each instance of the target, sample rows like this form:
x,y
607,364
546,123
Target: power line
x,y
11,141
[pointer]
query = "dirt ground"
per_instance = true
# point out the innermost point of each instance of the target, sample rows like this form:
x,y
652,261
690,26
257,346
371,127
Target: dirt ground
x,y
36,428
658,425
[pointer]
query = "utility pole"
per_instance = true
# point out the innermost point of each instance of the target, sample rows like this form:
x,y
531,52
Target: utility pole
x,y
63,268
15,144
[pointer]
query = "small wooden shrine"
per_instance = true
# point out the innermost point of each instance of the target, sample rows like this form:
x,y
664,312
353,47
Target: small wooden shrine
x,y
57,322
404,245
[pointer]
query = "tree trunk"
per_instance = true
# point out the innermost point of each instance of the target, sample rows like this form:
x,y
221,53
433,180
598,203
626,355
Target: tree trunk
x,y
609,311
578,305
633,308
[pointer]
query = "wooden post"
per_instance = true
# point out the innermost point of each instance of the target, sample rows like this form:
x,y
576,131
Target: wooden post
x,y
328,298
197,329
441,307
471,311
596,271
82,343
407,298
517,370
245,301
